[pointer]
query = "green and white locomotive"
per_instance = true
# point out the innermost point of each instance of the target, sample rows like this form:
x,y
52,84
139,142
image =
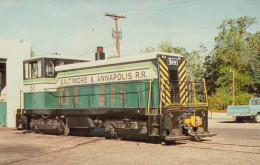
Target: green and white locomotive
x,y
139,97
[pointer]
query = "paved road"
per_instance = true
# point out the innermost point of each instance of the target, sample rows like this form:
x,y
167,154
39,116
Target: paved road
x,y
236,143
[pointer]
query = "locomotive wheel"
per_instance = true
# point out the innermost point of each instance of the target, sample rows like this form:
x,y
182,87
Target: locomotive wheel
x,y
257,118
110,132
66,130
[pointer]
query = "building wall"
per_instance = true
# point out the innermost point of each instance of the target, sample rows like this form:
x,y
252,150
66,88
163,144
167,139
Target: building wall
x,y
15,52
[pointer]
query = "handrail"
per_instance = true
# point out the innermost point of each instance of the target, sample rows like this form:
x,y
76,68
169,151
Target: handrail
x,y
150,93
205,87
194,93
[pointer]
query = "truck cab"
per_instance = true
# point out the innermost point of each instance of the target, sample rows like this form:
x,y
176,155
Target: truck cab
x,y
241,112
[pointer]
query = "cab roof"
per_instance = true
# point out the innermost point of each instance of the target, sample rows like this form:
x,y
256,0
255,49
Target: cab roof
x,y
64,57
139,57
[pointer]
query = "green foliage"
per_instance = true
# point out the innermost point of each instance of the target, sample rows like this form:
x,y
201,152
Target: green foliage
x,y
222,99
243,98
148,49
219,101
32,53
236,49
195,63
166,46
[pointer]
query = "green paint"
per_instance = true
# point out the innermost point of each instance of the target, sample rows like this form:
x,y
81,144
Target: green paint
x,y
3,113
136,95
40,100
83,98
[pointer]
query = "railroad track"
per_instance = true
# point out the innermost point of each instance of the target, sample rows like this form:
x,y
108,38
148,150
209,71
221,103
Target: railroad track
x,y
229,147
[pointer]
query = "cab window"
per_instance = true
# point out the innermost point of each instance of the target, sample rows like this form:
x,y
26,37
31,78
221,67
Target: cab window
x,y
49,68
33,69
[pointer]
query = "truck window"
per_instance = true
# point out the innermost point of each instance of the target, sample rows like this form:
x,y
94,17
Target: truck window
x,y
255,102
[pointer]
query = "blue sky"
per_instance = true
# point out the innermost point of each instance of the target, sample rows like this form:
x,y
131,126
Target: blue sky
x,y
77,27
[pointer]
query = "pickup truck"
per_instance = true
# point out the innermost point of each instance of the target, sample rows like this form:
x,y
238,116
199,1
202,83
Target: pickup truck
x,y
241,112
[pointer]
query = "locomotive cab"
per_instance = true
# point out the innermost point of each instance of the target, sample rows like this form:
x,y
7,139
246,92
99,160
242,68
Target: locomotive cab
x,y
44,67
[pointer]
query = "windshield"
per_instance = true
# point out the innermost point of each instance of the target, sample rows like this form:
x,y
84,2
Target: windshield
x,y
49,67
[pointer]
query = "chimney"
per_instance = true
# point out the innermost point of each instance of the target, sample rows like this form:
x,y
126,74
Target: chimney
x,y
100,55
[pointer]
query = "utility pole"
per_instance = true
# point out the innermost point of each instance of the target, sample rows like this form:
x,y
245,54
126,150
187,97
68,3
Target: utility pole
x,y
116,17
233,71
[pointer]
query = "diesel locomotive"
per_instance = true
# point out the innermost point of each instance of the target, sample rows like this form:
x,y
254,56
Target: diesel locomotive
x,y
145,97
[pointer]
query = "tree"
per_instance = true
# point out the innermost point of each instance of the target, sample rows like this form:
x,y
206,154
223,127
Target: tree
x,y
166,46
195,63
32,53
235,49
148,49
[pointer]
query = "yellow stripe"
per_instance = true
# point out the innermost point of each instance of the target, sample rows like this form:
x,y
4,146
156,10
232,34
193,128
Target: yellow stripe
x,y
164,102
162,75
164,71
182,85
162,62
166,85
182,92
180,67
168,93
168,100
181,72
185,100
174,109
183,77
165,95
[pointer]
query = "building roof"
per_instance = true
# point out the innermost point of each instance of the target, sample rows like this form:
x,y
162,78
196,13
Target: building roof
x,y
139,57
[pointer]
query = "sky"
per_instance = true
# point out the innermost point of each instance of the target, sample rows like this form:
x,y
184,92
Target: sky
x,y
77,27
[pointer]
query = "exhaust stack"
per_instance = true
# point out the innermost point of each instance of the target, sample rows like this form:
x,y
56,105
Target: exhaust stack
x,y
100,55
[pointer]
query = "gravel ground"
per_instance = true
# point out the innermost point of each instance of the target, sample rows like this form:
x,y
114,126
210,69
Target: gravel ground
x,y
236,143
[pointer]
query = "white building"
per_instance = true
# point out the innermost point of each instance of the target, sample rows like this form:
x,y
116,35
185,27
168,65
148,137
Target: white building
x,y
12,55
